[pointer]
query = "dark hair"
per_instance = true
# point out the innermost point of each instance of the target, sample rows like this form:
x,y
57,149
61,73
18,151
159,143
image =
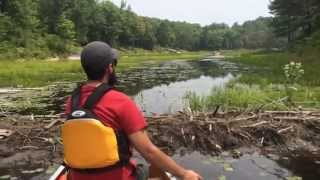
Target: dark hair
x,y
95,58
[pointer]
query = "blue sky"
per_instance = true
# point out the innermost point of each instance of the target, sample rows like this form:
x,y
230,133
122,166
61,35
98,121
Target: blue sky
x,y
201,11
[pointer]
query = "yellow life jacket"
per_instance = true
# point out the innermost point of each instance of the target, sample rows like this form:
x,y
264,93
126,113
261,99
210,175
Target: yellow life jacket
x,y
88,143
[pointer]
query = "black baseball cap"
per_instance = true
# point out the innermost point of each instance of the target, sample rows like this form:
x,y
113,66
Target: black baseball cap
x,y
96,56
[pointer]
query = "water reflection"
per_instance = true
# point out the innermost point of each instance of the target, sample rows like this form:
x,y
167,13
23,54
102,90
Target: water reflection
x,y
170,98
252,166
305,165
149,76
248,167
160,89
156,87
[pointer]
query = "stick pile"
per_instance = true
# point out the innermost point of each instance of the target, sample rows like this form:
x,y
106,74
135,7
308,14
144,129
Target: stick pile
x,y
205,132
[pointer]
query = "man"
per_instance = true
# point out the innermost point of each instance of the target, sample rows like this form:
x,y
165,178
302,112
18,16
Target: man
x,y
120,112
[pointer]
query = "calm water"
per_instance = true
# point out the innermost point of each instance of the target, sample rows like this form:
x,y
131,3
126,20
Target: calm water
x,y
162,89
251,167
247,167
157,88
171,98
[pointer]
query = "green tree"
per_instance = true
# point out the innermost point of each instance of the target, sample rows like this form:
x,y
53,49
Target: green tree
x,y
81,13
165,34
107,24
23,21
212,37
65,29
30,27
295,19
187,35
50,16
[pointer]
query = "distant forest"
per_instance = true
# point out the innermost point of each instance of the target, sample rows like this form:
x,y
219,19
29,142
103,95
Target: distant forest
x,y
41,28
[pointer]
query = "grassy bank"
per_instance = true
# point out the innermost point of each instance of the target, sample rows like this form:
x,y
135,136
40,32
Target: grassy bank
x,y
262,87
267,67
254,97
32,73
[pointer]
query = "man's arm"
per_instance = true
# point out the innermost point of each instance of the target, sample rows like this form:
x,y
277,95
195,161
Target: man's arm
x,y
155,156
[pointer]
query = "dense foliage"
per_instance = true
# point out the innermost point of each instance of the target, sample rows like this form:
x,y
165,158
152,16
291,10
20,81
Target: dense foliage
x,y
39,28
296,19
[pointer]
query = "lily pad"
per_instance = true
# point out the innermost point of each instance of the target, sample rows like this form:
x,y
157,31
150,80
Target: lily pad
x,y
294,178
228,167
263,174
5,177
222,177
206,162
216,160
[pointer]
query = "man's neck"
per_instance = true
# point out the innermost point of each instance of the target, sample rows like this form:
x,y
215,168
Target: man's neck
x,y
93,83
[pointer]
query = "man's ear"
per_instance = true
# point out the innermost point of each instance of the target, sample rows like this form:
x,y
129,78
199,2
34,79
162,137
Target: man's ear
x,y
110,68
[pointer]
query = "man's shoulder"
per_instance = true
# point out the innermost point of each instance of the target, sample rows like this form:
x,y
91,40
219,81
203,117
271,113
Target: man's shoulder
x,y
117,96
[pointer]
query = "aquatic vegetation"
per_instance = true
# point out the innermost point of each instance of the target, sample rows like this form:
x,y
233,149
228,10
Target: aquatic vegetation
x,y
274,80
32,73
254,97
294,178
228,168
267,68
293,73
222,177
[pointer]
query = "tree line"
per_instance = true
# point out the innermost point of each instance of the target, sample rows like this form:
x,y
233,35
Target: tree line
x,y
296,19
37,28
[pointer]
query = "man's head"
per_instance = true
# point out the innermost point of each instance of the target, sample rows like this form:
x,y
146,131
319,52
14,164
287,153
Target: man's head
x,y
98,60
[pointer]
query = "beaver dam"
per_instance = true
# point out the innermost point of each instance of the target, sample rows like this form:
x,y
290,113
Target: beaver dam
x,y
34,141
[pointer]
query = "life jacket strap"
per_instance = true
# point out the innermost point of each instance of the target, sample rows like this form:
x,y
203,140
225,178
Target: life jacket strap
x,y
92,100
75,98
96,95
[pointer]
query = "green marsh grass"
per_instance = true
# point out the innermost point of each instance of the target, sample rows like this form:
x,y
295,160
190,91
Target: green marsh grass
x,y
262,86
242,96
268,67
34,73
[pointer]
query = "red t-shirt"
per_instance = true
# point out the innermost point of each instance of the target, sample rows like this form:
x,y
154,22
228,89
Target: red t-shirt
x,y
117,110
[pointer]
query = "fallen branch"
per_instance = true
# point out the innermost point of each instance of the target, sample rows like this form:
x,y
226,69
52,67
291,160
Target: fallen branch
x,y
289,118
29,147
52,123
243,119
289,112
5,133
216,110
41,116
9,91
284,130
255,125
